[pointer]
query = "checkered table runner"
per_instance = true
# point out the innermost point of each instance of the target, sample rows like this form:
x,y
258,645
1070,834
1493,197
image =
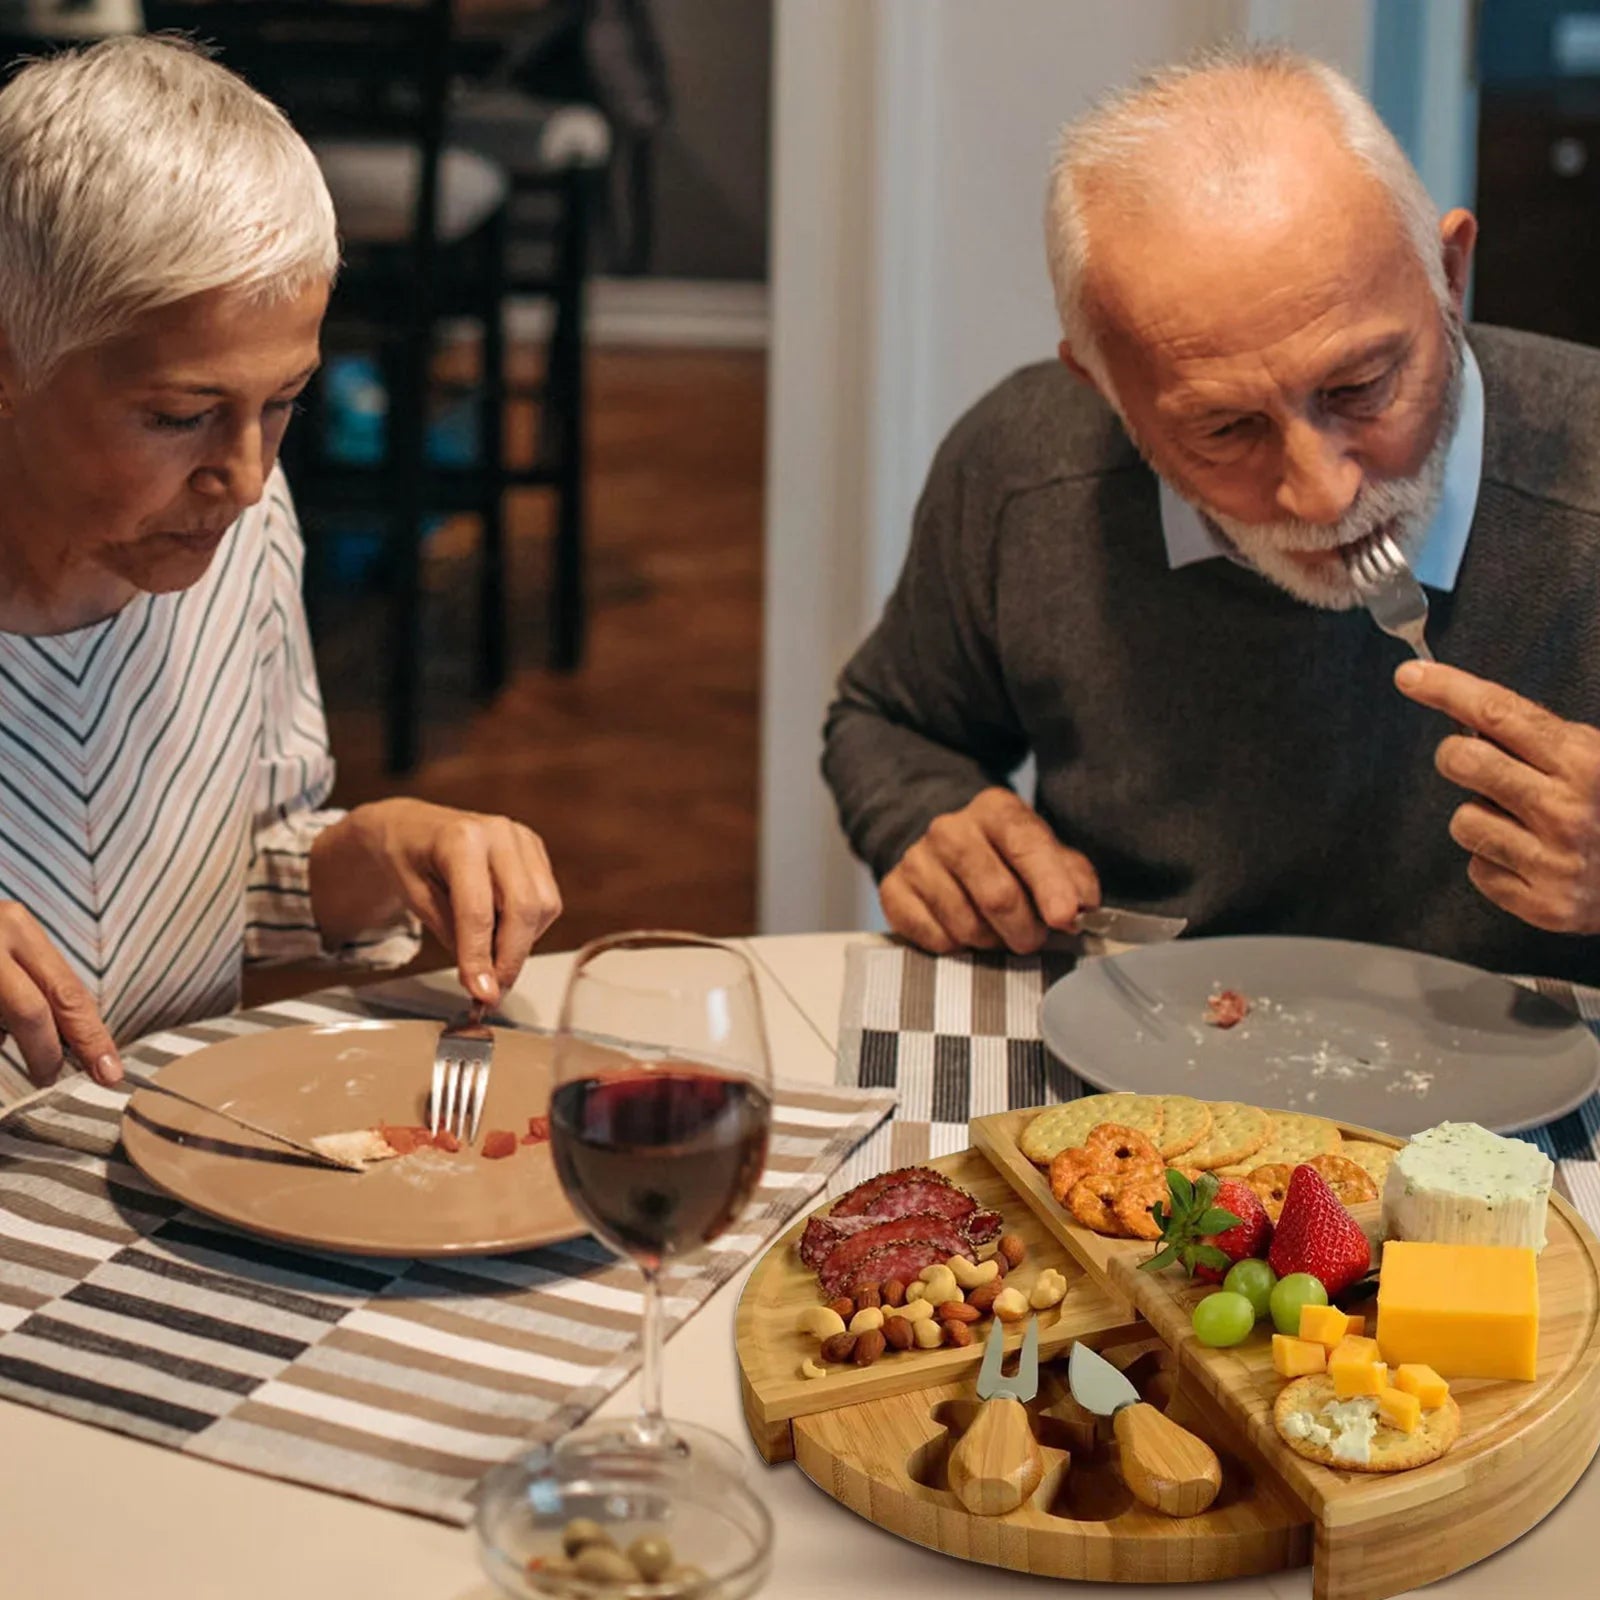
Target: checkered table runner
x,y
400,1382
957,1037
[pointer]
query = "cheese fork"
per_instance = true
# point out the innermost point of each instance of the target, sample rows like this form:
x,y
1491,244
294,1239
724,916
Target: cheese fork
x,y
996,1463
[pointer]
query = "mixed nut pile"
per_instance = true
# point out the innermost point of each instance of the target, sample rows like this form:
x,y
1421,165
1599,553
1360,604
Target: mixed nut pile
x,y
938,1309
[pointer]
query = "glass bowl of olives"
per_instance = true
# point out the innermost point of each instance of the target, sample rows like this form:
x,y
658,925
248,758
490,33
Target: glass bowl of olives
x,y
586,1519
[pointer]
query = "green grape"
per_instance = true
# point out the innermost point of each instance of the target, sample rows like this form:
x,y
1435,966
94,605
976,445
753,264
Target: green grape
x,y
1223,1318
1289,1294
1254,1280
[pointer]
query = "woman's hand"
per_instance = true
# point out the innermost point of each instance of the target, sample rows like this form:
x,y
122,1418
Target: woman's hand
x,y
44,1007
482,885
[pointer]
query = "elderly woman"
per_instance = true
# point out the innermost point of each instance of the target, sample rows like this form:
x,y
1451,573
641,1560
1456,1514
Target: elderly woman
x,y
167,247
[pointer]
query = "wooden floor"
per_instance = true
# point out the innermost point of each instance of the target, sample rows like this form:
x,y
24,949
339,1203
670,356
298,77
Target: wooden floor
x,y
639,770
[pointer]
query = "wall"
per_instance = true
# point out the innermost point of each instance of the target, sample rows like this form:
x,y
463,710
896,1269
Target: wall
x,y
711,189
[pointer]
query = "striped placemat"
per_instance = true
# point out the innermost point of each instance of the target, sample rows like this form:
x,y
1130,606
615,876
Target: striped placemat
x,y
397,1382
957,1037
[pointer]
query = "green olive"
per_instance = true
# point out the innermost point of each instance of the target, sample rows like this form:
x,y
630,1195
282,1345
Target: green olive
x,y
688,1581
580,1533
652,1555
601,1563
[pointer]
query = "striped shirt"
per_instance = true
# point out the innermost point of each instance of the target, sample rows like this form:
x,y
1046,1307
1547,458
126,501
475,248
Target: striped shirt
x,y
162,778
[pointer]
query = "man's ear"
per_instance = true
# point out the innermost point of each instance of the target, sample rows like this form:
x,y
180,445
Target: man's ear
x,y
1458,234
1075,366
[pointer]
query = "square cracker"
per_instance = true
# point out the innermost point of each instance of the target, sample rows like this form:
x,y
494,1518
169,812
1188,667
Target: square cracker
x,y
1295,1138
1237,1132
1392,1450
1185,1121
1066,1126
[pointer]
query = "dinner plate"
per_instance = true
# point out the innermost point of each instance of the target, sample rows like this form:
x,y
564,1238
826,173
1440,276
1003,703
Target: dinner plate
x,y
1360,1033
315,1080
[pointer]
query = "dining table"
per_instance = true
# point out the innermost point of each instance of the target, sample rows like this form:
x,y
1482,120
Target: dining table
x,y
86,1512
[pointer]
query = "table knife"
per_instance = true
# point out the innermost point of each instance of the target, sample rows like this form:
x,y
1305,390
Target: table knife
x,y
1125,927
1164,1466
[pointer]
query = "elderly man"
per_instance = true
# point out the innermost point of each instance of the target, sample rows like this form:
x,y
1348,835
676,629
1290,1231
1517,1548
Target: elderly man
x,y
1131,565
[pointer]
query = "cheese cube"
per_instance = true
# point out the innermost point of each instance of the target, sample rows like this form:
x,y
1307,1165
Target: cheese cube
x,y
1358,1325
1295,1358
1354,1375
1426,1384
1466,1310
1324,1325
1353,1347
1399,1409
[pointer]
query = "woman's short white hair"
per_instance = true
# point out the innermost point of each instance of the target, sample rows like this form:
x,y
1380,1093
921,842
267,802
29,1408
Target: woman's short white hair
x,y
1208,102
137,173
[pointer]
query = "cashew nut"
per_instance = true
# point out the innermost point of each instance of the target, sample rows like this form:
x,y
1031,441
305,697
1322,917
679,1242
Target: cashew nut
x,y
916,1291
1010,1305
970,1276
866,1320
810,1369
928,1334
821,1321
939,1285
1050,1289
918,1310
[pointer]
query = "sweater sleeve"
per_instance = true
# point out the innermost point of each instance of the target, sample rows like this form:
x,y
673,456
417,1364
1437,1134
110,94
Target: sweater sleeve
x,y
922,721
294,776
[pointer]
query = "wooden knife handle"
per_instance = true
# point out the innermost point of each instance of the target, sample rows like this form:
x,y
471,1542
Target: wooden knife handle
x,y
1165,1466
996,1463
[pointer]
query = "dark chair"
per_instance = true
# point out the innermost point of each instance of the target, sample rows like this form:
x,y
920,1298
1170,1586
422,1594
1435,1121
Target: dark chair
x,y
422,227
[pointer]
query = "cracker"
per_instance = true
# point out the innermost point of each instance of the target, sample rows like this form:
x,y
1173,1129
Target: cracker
x,y
1237,1132
1066,1126
1184,1123
1373,1159
1295,1138
1392,1450
1351,1183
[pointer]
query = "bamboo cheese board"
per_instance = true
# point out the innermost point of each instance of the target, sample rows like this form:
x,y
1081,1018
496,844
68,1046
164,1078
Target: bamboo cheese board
x,y
878,1439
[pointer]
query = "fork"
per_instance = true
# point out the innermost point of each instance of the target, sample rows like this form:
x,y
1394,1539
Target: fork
x,y
996,1464
1395,599
461,1062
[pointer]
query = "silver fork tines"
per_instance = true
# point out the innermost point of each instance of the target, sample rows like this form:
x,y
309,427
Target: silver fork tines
x,y
461,1063
1390,593
1025,1384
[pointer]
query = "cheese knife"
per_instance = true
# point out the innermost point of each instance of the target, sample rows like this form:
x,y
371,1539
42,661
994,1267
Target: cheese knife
x,y
1125,927
1164,1466
996,1463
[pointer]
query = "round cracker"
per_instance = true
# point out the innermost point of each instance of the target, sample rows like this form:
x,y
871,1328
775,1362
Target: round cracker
x,y
1237,1132
1351,1183
1065,1127
1374,1159
1392,1450
1185,1121
1295,1138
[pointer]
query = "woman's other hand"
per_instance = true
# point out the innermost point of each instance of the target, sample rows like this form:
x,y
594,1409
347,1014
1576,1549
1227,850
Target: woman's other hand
x,y
44,1006
483,886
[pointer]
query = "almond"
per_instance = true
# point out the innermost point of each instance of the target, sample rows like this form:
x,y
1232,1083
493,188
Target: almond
x,y
844,1307
1013,1249
897,1333
894,1293
839,1348
869,1346
957,1311
956,1333
981,1299
868,1296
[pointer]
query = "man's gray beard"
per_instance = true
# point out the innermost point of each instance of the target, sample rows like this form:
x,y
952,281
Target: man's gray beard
x,y
1403,507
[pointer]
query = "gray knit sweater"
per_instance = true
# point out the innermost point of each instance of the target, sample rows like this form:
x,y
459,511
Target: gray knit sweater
x,y
1214,746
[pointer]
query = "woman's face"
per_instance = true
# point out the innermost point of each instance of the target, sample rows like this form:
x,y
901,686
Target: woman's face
x,y
136,456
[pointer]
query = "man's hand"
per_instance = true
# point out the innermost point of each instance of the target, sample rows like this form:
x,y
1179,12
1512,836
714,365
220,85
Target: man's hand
x,y
44,1007
483,885
1535,846
987,876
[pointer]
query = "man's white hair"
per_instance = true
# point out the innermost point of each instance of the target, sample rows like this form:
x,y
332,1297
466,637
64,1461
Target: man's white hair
x,y
137,173
1215,104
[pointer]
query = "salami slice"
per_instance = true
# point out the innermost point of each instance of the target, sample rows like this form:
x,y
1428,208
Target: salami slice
x,y
859,1201
840,1270
914,1199
906,1259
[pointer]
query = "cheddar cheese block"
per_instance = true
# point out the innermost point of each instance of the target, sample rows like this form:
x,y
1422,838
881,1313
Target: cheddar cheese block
x,y
1465,1310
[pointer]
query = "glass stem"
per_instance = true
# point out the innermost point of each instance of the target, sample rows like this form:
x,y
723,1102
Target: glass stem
x,y
652,1426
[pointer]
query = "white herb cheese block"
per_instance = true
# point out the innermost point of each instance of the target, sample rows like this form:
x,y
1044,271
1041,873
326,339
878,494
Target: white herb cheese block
x,y
1460,1184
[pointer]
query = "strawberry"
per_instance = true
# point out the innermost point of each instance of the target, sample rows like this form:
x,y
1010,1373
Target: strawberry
x,y
1316,1234
1195,1221
1248,1239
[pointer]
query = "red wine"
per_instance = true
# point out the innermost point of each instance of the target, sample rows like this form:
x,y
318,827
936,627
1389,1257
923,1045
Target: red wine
x,y
659,1163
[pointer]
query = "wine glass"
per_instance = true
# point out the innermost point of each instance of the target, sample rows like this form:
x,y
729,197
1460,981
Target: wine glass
x,y
658,1122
